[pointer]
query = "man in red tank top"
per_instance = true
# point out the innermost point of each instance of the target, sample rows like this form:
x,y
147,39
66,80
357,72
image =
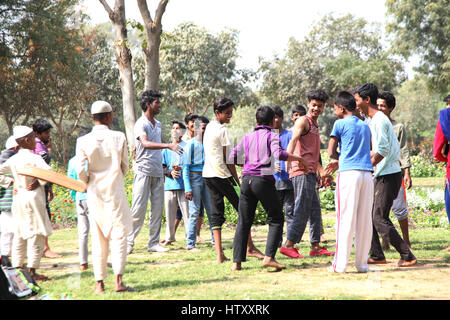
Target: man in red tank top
x,y
305,142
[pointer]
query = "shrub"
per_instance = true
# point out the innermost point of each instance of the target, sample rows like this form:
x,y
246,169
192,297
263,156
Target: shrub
x,y
422,166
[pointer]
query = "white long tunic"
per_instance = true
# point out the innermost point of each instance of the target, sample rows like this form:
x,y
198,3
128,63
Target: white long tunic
x,y
28,208
106,154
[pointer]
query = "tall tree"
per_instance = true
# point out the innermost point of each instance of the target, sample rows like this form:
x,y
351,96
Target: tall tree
x,y
123,58
151,46
422,27
338,54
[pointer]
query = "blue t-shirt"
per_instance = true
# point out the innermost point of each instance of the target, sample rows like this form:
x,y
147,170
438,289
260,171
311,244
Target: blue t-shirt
x,y
71,172
285,137
354,144
168,158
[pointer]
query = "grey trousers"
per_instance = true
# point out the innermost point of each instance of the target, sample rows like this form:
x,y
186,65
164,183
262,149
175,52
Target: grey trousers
x,y
173,199
83,230
307,207
146,188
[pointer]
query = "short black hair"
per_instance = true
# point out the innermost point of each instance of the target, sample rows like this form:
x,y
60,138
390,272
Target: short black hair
x,y
317,94
388,97
220,104
41,125
264,115
345,99
190,117
203,119
447,98
182,126
149,96
100,117
299,108
278,111
368,90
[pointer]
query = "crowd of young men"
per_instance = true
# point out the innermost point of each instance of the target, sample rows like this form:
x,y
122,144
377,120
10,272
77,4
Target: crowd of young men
x,y
197,170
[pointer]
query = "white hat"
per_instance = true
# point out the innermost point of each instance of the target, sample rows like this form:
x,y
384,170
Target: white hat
x,y
11,143
100,107
21,131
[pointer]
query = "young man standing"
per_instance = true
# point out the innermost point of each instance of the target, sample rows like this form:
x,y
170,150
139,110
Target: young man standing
x,y
148,180
388,178
104,153
80,199
195,188
305,142
30,217
354,185
256,152
6,200
173,184
221,176
42,129
386,104
283,183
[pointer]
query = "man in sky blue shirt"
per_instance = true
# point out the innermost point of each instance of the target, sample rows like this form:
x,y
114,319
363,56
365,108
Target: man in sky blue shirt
x,y
388,178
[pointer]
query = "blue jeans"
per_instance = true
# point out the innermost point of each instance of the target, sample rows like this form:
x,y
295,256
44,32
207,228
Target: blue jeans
x,y
200,195
447,199
307,207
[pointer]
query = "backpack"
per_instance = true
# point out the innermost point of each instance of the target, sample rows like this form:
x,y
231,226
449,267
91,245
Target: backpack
x,y
17,283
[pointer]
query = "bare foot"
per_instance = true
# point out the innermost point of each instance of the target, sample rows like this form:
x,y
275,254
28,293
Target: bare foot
x,y
199,239
255,253
84,267
100,287
41,277
272,263
123,288
403,263
50,254
222,258
447,249
236,266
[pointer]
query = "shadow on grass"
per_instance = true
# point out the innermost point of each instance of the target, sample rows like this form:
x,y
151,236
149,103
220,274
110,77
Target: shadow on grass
x,y
166,284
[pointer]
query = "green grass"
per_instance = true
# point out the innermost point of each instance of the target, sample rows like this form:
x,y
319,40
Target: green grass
x,y
179,274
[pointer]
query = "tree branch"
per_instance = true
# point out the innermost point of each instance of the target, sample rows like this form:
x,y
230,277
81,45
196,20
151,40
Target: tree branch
x,y
145,13
108,9
160,11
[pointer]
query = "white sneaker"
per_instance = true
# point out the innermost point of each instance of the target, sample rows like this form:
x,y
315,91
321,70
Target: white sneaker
x,y
158,248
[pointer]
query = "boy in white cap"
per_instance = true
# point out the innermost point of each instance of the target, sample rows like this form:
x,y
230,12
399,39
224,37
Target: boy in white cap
x,y
30,217
105,154
6,198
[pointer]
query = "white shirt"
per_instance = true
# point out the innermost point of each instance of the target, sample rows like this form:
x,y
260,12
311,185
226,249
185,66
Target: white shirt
x,y
29,207
106,154
216,137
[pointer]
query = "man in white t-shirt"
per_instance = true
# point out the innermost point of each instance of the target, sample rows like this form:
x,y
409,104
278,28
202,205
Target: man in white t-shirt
x,y
220,177
148,180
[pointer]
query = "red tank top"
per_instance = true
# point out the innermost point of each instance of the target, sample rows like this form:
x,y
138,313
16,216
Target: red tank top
x,y
308,147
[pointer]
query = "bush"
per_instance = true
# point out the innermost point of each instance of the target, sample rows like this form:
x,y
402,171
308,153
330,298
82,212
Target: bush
x,y
424,167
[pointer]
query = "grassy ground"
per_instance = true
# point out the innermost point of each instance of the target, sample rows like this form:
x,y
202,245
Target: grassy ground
x,y
179,274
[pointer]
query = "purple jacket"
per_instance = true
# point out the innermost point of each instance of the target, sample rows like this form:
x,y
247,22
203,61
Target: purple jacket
x,y
257,151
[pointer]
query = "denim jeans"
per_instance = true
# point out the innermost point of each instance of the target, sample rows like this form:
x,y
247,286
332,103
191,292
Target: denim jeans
x,y
447,199
200,195
307,207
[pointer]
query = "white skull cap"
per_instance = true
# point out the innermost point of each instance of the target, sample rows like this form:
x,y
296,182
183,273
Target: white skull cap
x,y
11,143
100,107
21,131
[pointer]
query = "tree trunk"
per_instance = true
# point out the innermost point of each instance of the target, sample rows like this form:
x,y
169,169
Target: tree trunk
x,y
153,30
123,58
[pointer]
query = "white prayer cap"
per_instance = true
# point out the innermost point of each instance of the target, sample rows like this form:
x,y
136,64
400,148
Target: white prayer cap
x,y
100,107
11,143
21,131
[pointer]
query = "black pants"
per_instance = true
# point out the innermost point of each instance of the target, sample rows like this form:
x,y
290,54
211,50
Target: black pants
x,y
254,189
386,190
219,188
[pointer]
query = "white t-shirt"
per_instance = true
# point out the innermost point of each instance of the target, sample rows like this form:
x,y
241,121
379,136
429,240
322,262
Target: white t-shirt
x,y
215,138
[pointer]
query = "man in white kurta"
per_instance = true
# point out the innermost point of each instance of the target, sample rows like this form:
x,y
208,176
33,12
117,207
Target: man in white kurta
x,y
106,154
31,220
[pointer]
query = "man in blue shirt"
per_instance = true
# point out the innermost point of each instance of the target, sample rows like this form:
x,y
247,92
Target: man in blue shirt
x,y
354,185
173,183
388,177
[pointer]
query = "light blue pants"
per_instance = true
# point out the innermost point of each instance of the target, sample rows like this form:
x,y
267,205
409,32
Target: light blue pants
x,y
200,195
